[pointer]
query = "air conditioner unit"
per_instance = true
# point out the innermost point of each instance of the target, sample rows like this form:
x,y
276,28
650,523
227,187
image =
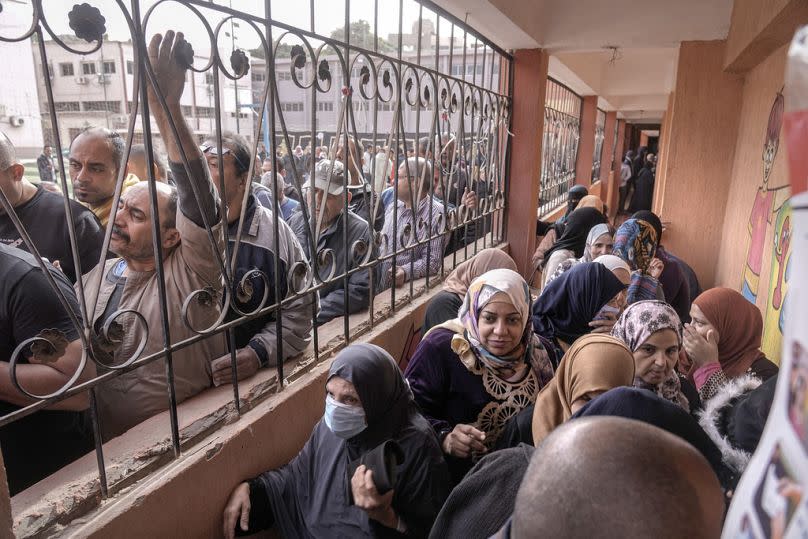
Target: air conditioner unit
x,y
81,80
104,79
16,121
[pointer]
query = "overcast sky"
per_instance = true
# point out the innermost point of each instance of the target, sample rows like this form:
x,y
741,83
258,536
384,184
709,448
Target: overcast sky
x,y
329,15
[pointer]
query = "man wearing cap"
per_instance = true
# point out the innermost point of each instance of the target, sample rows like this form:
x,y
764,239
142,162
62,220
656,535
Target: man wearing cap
x,y
329,197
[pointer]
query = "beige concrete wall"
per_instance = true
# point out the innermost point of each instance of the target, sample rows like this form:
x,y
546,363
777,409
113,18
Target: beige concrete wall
x,y
700,154
760,89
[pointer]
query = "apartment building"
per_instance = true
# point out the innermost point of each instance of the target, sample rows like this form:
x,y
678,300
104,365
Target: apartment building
x,y
98,89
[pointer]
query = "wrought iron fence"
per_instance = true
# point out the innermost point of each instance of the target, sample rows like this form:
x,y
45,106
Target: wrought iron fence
x,y
597,153
441,90
562,125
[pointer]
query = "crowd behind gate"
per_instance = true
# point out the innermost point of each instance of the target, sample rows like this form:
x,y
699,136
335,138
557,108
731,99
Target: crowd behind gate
x,y
496,427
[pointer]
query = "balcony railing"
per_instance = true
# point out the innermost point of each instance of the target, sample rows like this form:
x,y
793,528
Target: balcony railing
x,y
562,127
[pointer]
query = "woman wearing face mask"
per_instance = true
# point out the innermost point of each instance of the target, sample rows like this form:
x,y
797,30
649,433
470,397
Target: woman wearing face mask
x,y
723,341
471,374
586,299
653,332
598,242
367,403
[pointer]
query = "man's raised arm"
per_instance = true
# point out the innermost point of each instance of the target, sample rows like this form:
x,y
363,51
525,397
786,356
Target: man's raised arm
x,y
166,55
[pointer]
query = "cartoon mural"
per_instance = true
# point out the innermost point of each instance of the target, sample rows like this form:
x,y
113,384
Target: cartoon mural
x,y
770,206
767,201
773,315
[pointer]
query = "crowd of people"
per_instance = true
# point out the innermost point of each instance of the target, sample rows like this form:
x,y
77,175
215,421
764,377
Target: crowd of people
x,y
495,427
506,396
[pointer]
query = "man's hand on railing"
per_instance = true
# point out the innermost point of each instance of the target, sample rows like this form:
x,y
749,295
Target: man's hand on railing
x,y
247,364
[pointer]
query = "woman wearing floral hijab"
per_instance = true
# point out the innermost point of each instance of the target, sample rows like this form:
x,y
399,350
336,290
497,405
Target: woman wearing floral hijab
x,y
446,303
653,332
636,242
471,374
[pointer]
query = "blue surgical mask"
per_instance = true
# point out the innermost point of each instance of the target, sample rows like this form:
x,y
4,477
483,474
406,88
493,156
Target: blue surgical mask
x,y
344,420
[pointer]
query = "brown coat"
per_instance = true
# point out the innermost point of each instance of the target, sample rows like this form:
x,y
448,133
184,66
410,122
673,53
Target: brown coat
x,y
132,397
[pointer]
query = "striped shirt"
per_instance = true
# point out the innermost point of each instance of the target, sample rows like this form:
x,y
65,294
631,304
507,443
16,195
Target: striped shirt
x,y
414,259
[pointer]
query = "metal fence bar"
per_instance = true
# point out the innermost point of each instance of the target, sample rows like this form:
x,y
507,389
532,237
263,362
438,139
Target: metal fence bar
x,y
562,122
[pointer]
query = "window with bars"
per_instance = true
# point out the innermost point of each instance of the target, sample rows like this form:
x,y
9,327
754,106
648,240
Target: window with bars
x,y
108,67
66,69
562,125
88,68
597,152
64,106
106,106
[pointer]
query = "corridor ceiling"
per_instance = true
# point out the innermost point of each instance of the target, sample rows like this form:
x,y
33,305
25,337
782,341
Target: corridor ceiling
x,y
581,35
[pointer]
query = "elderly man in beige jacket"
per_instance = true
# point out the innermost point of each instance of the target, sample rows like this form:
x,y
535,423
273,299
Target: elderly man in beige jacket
x,y
190,263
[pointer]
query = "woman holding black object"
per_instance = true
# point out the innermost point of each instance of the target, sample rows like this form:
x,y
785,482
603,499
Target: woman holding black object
x,y
318,494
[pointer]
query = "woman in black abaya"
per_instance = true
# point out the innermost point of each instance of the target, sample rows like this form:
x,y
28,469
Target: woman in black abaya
x,y
318,494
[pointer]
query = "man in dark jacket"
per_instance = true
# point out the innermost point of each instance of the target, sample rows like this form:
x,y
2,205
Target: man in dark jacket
x,y
339,295
258,343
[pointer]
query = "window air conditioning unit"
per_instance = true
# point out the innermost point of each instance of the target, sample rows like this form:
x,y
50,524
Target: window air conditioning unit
x,y
81,80
16,121
103,79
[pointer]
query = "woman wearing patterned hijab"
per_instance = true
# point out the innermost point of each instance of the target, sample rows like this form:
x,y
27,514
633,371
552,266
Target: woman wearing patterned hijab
x,y
653,332
571,244
636,242
598,243
471,374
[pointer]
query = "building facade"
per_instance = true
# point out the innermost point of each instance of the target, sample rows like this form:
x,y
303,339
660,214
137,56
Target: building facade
x,y
19,102
98,89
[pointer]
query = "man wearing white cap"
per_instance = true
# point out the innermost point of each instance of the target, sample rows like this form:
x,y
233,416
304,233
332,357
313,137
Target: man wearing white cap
x,y
325,229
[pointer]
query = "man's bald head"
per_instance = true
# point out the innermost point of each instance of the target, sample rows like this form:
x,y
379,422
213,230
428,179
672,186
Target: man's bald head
x,y
615,477
132,230
8,156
